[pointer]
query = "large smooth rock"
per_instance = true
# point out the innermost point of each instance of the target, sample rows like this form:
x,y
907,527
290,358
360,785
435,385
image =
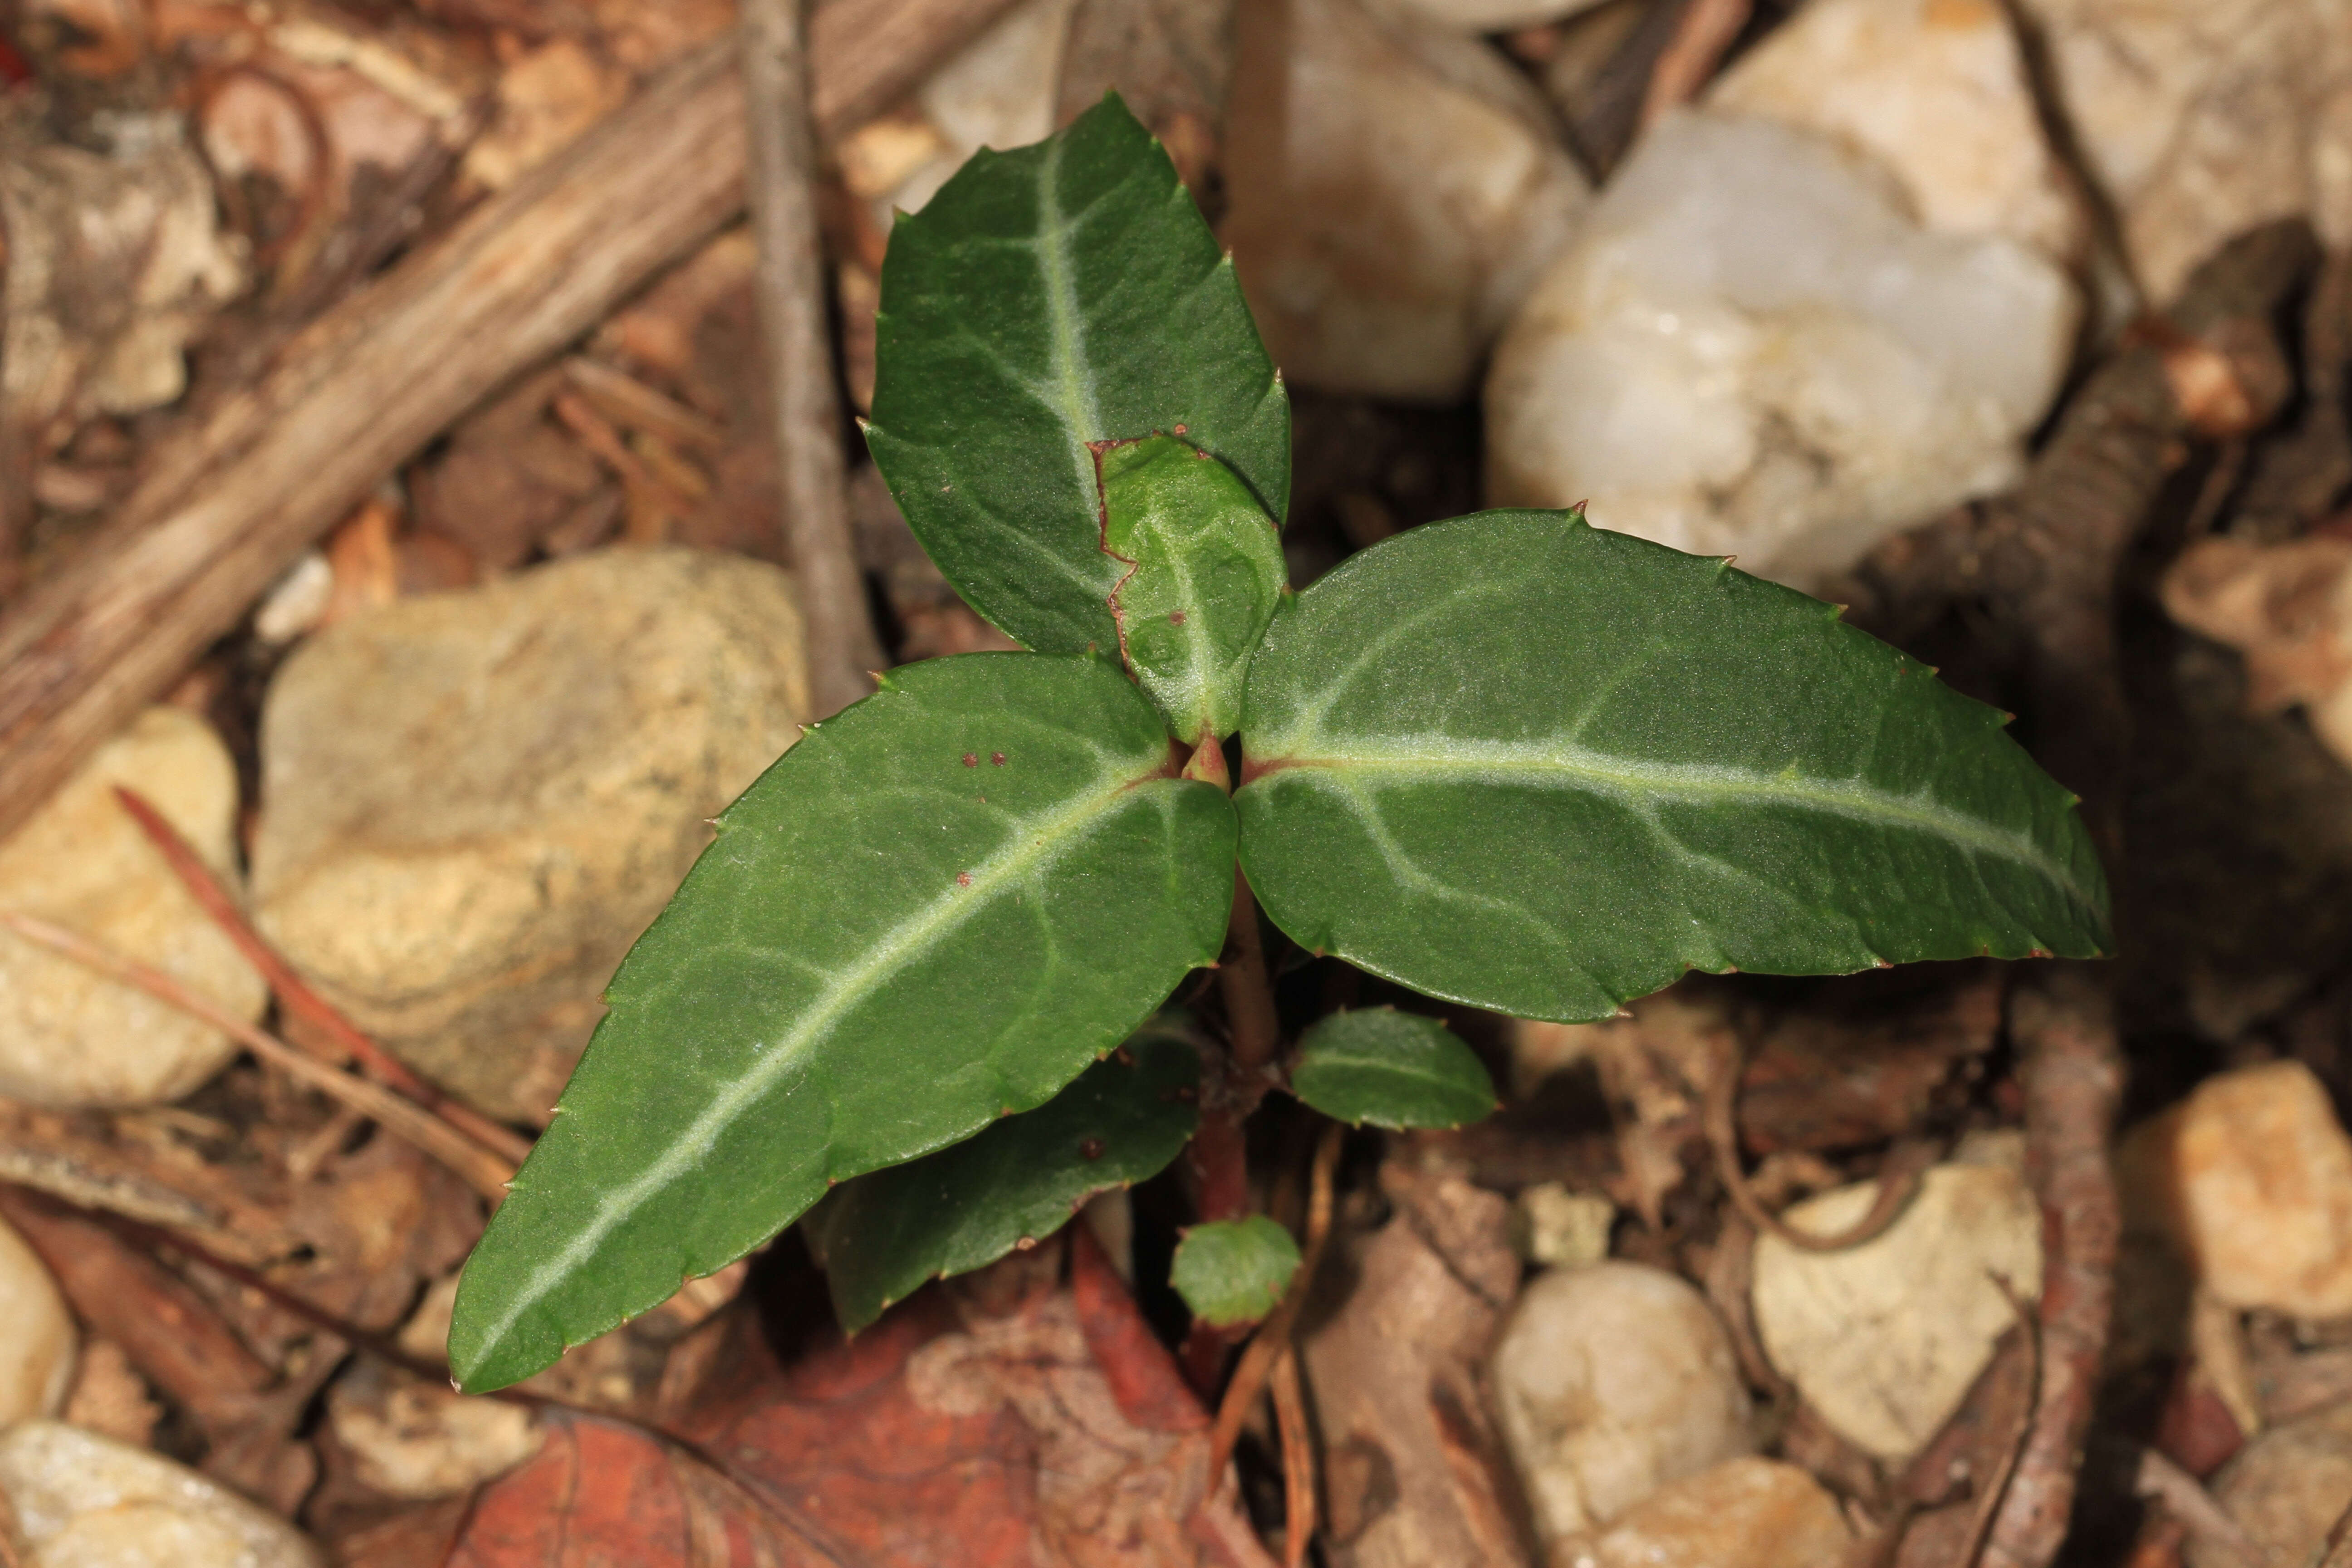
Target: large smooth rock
x,y
2287,1489
68,1036
38,1339
1884,1339
475,800
1396,188
1752,349
1610,1381
1742,1513
2251,1176
1936,92
2203,118
86,1501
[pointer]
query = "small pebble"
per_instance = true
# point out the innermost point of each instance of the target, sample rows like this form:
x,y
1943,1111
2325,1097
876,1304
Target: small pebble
x,y
1610,1381
1561,1229
36,1333
1883,1339
68,1036
1396,188
409,1438
2251,1177
1742,1513
86,1501
1751,348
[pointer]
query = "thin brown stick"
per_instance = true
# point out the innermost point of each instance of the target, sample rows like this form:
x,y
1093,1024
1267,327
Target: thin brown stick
x,y
1988,1501
2063,1023
1271,1340
1704,34
1898,1180
1297,1459
842,651
483,1170
294,993
228,502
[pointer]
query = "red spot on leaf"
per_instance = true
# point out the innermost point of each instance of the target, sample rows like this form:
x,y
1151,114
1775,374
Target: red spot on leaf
x,y
963,879
971,759
1180,429
1175,617
997,758
1092,1148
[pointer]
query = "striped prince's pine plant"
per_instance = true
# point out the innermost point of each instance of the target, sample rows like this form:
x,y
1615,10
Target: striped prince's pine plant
x,y
913,993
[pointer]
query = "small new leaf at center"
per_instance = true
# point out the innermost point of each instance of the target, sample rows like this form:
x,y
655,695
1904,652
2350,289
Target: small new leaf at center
x,y
1232,1272
1204,571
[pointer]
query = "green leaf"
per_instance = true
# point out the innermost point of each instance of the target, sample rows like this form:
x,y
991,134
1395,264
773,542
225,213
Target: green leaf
x,y
1205,573
939,907
882,1236
1045,300
1391,1069
1528,764
1232,1272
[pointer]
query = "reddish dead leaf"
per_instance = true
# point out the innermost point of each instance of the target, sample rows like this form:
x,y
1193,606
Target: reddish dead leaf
x,y
600,1494
1006,1420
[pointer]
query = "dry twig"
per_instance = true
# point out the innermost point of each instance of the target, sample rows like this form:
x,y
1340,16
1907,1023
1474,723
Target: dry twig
x,y
486,1173
1272,1342
294,994
231,500
789,287
1297,1459
1898,1179
2072,1074
1703,34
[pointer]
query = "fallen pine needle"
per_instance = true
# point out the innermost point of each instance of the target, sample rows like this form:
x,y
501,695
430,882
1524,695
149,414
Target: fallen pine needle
x,y
483,1170
1297,1459
1272,1338
294,993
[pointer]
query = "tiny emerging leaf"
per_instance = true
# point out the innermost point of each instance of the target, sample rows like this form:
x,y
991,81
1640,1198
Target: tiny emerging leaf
x,y
1391,1069
1232,1272
882,1236
1205,573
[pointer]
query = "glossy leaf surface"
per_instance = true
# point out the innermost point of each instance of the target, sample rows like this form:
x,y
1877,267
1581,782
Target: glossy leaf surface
x,y
1232,1272
882,1236
1391,1069
1205,570
940,906
1521,762
1046,299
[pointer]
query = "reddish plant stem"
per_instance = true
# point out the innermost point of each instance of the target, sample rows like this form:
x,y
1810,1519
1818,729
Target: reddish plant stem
x,y
1218,1155
1248,992
294,994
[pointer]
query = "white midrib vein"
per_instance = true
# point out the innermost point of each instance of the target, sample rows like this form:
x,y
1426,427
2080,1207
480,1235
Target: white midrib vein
x,y
1067,330
1032,843
1565,766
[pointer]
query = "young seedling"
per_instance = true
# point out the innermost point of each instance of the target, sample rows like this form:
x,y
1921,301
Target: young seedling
x,y
1509,761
